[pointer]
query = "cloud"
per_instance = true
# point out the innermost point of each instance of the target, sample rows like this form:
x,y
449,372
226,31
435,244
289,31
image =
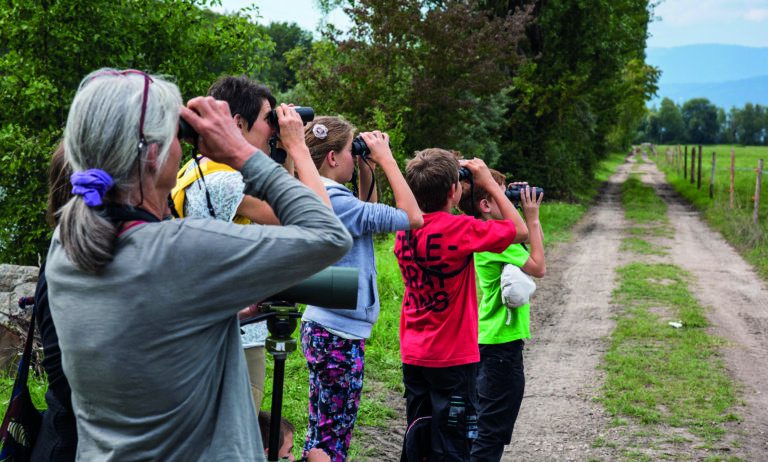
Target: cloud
x,y
690,12
757,15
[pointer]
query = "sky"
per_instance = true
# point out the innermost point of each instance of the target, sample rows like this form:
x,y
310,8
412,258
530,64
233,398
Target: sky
x,y
677,23
689,22
302,12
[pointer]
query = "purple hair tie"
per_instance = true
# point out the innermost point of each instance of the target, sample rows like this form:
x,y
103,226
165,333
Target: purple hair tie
x,y
92,185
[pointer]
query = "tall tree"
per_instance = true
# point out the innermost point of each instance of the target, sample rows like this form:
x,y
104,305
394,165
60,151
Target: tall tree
x,y
50,45
570,95
286,36
437,67
700,117
671,124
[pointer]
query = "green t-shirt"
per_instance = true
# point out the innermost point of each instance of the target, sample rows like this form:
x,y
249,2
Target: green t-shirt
x,y
493,314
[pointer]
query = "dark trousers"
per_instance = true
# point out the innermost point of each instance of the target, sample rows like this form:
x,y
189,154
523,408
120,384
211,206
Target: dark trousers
x,y
449,395
57,441
500,387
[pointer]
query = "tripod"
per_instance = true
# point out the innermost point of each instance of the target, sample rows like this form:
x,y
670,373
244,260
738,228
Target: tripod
x,y
281,322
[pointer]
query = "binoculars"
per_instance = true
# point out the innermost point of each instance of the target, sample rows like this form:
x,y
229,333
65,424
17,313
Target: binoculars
x,y
513,192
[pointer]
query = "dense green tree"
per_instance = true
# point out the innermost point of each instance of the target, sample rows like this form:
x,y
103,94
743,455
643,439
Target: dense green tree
x,y
724,134
50,45
437,68
569,97
286,36
700,117
749,123
671,124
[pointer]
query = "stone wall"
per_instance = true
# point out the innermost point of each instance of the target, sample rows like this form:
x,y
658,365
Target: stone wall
x,y
15,282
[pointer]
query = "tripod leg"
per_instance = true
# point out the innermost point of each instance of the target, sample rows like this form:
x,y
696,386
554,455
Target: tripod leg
x,y
277,407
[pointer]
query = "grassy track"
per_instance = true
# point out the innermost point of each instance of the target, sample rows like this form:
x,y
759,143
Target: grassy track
x,y
661,375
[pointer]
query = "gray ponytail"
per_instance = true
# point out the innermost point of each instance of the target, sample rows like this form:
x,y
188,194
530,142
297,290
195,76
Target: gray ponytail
x,y
102,132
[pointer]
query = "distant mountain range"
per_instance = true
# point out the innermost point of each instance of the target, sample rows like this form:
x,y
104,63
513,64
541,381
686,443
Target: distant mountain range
x,y
727,75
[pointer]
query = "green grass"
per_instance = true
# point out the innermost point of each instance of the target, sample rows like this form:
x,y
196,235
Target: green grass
x,y
736,223
641,246
37,385
641,203
658,373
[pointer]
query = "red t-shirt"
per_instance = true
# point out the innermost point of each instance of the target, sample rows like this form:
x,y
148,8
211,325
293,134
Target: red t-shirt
x,y
438,322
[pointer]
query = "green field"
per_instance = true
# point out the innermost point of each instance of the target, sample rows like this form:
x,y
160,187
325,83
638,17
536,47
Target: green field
x,y
735,224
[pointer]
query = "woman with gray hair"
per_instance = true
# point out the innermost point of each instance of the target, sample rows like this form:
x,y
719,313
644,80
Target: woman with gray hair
x,y
146,310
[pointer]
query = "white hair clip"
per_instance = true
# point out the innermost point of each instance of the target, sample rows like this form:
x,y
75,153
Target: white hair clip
x,y
320,131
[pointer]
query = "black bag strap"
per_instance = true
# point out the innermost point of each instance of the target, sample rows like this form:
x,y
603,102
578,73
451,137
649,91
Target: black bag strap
x,y
121,212
430,271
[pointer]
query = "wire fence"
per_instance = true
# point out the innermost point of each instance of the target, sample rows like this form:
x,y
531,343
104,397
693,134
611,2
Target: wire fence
x,y
677,158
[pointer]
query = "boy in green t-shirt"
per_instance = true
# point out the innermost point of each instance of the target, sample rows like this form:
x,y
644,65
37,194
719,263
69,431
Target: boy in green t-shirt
x,y
500,376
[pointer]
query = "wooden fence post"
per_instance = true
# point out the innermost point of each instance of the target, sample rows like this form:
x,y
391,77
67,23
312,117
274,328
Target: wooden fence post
x,y
698,171
757,189
685,163
733,173
712,178
677,159
693,164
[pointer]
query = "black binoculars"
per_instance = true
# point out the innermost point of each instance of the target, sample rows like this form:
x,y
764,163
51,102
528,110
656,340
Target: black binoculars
x,y
513,192
307,115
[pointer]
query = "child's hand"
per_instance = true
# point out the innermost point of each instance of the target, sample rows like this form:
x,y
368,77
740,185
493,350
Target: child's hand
x,y
378,143
480,173
529,203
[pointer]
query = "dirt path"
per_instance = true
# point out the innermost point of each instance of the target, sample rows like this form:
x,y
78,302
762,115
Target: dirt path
x,y
572,315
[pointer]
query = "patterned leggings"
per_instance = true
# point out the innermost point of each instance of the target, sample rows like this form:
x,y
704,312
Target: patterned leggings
x,y
335,384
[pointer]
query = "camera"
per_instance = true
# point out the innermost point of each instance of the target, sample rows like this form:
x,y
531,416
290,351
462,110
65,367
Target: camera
x,y
514,191
307,115
360,148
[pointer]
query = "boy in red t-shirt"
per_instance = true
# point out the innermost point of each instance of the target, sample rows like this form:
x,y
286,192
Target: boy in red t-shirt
x,y
438,322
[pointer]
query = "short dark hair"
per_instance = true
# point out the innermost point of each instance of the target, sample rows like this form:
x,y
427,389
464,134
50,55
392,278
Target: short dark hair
x,y
265,417
465,204
244,96
430,175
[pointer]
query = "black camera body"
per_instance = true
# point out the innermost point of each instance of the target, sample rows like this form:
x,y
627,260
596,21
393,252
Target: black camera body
x,y
514,191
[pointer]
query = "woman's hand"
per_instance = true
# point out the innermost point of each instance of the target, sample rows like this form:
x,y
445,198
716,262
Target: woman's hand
x,y
220,139
291,128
